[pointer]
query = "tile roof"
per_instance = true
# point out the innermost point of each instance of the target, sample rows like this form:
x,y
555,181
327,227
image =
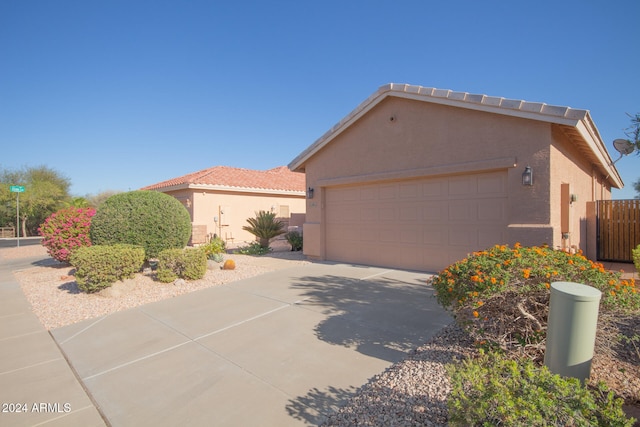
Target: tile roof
x,y
230,178
586,133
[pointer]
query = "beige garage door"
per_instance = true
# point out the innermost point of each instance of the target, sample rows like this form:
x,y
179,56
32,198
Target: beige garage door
x,y
423,224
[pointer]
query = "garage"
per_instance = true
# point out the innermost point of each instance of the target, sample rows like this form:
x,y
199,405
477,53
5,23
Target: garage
x,y
421,224
418,177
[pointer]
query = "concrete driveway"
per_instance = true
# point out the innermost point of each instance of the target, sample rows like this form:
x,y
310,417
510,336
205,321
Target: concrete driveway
x,y
285,348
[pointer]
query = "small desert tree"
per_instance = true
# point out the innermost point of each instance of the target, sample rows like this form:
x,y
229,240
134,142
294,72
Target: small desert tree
x,y
264,226
633,132
46,191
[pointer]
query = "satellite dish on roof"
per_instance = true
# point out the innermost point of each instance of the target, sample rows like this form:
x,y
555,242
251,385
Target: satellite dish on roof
x,y
624,146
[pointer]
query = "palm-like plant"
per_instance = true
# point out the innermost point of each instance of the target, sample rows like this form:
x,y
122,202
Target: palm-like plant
x,y
264,226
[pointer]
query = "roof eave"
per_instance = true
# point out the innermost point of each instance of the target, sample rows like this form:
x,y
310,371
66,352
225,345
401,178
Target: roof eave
x,y
229,188
576,118
590,135
164,189
503,106
297,164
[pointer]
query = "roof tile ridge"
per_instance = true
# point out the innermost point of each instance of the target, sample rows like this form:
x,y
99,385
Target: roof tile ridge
x,y
486,100
277,170
198,176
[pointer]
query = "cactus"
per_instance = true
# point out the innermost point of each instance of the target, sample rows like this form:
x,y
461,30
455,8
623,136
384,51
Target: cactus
x,y
229,265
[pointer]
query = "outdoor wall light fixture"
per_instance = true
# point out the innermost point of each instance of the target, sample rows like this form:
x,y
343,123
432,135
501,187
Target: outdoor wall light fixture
x,y
310,193
527,176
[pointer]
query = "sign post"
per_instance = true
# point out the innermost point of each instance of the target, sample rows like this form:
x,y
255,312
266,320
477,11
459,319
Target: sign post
x,y
17,189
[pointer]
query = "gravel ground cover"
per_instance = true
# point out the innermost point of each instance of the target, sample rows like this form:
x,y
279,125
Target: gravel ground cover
x,y
56,300
412,392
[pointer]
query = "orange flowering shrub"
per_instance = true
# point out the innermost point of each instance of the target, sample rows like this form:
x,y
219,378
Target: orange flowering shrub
x,y
526,269
501,295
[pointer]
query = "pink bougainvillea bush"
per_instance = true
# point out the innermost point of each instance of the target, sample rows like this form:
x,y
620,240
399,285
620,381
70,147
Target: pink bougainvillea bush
x,y
66,230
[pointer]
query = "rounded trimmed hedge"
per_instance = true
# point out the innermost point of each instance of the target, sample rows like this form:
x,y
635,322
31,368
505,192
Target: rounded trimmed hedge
x,y
98,267
189,264
153,220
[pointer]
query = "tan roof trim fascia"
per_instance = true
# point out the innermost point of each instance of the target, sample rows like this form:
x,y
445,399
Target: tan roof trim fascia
x,y
456,168
228,188
490,104
591,136
337,129
504,106
175,187
576,118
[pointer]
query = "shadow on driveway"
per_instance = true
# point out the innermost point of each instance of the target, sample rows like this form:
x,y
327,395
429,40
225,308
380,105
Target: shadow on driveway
x,y
384,317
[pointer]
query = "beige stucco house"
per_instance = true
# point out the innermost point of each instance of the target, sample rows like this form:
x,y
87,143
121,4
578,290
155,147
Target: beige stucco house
x,y
418,178
221,198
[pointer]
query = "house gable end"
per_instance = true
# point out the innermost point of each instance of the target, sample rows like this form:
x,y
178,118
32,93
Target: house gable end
x,y
588,136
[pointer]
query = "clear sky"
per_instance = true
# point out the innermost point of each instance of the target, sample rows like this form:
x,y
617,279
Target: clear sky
x,y
117,95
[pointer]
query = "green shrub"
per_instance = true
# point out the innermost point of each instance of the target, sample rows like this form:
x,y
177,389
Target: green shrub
x,y
264,226
254,248
153,220
99,266
188,264
501,295
492,390
217,258
215,247
636,258
522,270
295,240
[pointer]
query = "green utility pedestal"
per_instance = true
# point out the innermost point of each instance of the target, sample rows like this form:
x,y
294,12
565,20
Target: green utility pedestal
x,y
571,329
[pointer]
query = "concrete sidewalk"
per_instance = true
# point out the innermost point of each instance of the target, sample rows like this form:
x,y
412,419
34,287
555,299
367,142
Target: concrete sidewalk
x,y
37,386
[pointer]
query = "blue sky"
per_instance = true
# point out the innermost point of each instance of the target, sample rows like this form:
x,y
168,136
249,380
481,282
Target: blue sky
x,y
117,95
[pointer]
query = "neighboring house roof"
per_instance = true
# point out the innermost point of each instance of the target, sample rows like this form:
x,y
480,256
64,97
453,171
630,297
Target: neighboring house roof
x,y
577,124
276,180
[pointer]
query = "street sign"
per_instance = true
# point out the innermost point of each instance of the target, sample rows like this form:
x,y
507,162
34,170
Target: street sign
x,y
17,189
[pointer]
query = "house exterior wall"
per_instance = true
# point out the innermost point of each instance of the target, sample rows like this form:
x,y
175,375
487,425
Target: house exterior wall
x,y
570,167
204,206
402,139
